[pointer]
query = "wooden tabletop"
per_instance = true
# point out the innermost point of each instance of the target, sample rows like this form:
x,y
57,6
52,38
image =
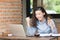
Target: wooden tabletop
x,y
27,38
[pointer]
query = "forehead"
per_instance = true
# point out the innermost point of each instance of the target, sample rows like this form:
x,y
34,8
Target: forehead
x,y
38,11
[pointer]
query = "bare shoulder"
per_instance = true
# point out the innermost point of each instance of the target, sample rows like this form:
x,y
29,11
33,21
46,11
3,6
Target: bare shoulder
x,y
50,20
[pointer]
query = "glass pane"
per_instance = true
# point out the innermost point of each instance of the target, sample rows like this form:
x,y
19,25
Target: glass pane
x,y
52,6
31,6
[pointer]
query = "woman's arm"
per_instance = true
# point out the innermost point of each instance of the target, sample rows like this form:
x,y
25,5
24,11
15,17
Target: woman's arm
x,y
51,23
28,21
30,30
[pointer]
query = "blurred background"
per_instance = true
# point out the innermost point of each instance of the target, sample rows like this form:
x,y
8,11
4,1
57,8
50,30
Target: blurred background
x,y
15,12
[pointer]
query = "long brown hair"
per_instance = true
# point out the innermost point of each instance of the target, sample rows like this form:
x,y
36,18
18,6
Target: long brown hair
x,y
34,19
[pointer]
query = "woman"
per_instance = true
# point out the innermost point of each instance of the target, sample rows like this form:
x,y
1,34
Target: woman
x,y
40,23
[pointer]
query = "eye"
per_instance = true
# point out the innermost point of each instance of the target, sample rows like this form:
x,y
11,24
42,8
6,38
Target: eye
x,y
38,14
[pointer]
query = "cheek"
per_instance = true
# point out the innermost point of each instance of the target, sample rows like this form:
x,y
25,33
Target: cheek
x,y
39,17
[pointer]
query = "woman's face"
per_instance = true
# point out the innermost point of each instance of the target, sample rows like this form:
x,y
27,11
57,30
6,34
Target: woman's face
x,y
39,14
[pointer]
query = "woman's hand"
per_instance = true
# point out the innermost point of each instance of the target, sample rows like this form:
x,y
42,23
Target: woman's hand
x,y
28,21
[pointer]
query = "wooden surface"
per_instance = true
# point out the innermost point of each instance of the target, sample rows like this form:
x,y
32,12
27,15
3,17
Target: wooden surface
x,y
25,38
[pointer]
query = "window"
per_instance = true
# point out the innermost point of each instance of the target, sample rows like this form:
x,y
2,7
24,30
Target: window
x,y
31,6
52,6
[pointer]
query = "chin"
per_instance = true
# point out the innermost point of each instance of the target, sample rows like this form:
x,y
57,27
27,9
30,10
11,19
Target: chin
x,y
39,19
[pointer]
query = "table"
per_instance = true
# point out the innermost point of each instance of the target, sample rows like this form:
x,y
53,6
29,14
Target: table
x,y
26,38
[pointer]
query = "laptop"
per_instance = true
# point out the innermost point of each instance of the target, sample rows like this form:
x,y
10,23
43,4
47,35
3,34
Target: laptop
x,y
17,30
